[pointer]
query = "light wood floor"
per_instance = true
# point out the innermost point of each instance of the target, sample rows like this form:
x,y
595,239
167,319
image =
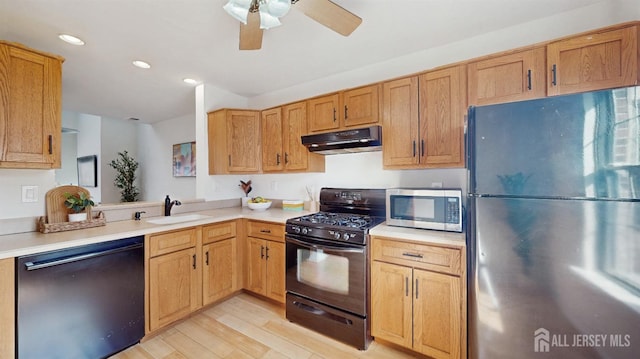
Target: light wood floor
x,y
247,327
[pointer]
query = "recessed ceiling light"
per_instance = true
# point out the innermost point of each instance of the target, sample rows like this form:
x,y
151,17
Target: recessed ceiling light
x,y
71,39
141,64
190,81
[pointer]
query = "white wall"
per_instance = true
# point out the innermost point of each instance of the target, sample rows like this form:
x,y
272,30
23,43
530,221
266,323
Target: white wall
x,y
89,139
155,151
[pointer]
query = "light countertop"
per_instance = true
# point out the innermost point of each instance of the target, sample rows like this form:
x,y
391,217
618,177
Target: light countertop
x,y
14,245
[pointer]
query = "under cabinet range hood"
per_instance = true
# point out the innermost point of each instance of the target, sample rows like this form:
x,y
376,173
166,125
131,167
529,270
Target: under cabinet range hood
x,y
345,141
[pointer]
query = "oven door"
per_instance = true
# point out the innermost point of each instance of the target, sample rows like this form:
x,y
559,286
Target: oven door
x,y
328,272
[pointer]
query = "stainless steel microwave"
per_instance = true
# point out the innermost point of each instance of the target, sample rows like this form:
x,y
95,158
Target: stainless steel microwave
x,y
428,208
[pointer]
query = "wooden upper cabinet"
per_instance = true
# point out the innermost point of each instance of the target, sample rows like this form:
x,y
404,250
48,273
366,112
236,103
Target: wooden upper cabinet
x,y
506,78
356,107
30,107
234,141
272,146
400,127
323,113
442,116
361,106
282,149
593,61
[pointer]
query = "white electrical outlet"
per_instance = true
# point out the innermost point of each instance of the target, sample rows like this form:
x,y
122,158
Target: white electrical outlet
x,y
29,194
274,185
436,184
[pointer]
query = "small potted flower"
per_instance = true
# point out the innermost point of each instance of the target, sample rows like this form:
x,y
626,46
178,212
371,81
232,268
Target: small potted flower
x,y
78,203
246,188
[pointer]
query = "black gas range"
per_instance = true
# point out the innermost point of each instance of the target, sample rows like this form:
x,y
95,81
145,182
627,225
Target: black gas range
x,y
327,274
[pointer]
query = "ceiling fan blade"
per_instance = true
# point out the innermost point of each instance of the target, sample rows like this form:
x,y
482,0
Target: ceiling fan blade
x,y
251,33
330,15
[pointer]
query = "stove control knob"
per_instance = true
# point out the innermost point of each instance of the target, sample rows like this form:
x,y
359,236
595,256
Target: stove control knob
x,y
296,229
336,235
345,236
305,230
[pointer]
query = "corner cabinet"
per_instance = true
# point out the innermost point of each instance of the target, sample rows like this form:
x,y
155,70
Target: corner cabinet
x,y
510,77
234,141
418,297
356,107
265,260
282,149
30,107
423,120
593,61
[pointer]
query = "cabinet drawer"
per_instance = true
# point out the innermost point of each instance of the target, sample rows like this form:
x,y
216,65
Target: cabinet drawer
x,y
266,230
434,258
171,241
215,232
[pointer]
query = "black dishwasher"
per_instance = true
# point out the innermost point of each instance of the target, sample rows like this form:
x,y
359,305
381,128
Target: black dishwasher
x,y
82,302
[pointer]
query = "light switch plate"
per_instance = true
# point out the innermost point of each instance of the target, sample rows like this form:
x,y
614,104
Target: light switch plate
x,y
29,194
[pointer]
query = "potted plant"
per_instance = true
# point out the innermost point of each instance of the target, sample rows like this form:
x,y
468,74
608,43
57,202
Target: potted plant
x,y
78,203
246,188
126,167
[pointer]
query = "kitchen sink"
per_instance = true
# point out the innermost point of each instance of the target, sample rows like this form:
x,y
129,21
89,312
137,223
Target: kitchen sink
x,y
178,219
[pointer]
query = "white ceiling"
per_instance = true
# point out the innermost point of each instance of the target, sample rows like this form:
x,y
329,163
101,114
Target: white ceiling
x,y
196,38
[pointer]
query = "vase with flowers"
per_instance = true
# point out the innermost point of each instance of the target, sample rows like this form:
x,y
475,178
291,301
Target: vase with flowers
x,y
246,188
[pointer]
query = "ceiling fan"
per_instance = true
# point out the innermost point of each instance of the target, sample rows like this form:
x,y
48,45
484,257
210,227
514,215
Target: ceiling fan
x,y
258,15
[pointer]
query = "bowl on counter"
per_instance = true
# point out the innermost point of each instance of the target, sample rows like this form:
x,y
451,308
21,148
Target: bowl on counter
x,y
260,206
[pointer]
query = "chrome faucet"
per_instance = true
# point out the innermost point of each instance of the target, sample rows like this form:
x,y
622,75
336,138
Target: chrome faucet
x,y
168,204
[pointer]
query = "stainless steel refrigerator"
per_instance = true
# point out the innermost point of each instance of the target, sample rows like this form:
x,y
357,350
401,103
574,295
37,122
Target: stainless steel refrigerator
x,y
553,227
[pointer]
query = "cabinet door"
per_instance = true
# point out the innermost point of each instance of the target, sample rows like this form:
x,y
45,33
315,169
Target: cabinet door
x,y
173,287
275,262
442,113
391,303
30,111
295,125
272,140
400,123
219,273
256,270
593,62
243,141
217,137
437,314
507,78
361,106
7,308
323,113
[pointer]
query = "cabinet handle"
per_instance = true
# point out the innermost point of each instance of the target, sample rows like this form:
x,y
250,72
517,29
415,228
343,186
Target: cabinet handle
x,y
277,158
406,286
529,80
194,261
414,148
413,255
265,231
229,160
286,158
207,257
421,148
416,288
267,253
261,252
553,75
334,115
345,113
50,144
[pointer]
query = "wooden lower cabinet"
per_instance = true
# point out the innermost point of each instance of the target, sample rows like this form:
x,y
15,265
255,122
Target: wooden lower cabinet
x,y
7,308
219,276
265,260
423,310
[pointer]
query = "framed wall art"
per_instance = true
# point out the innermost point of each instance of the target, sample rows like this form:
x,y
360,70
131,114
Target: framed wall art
x,y
88,171
184,159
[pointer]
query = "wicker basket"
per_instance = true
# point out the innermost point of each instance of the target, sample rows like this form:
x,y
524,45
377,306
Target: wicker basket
x,y
45,227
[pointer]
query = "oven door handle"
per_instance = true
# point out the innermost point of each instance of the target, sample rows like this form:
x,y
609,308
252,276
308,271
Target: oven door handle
x,y
325,247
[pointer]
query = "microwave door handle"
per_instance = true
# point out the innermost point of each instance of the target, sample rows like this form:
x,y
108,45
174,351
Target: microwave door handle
x,y
325,247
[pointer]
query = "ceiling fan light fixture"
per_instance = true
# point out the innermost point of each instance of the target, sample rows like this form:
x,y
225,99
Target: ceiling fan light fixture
x,y
239,9
278,8
267,21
